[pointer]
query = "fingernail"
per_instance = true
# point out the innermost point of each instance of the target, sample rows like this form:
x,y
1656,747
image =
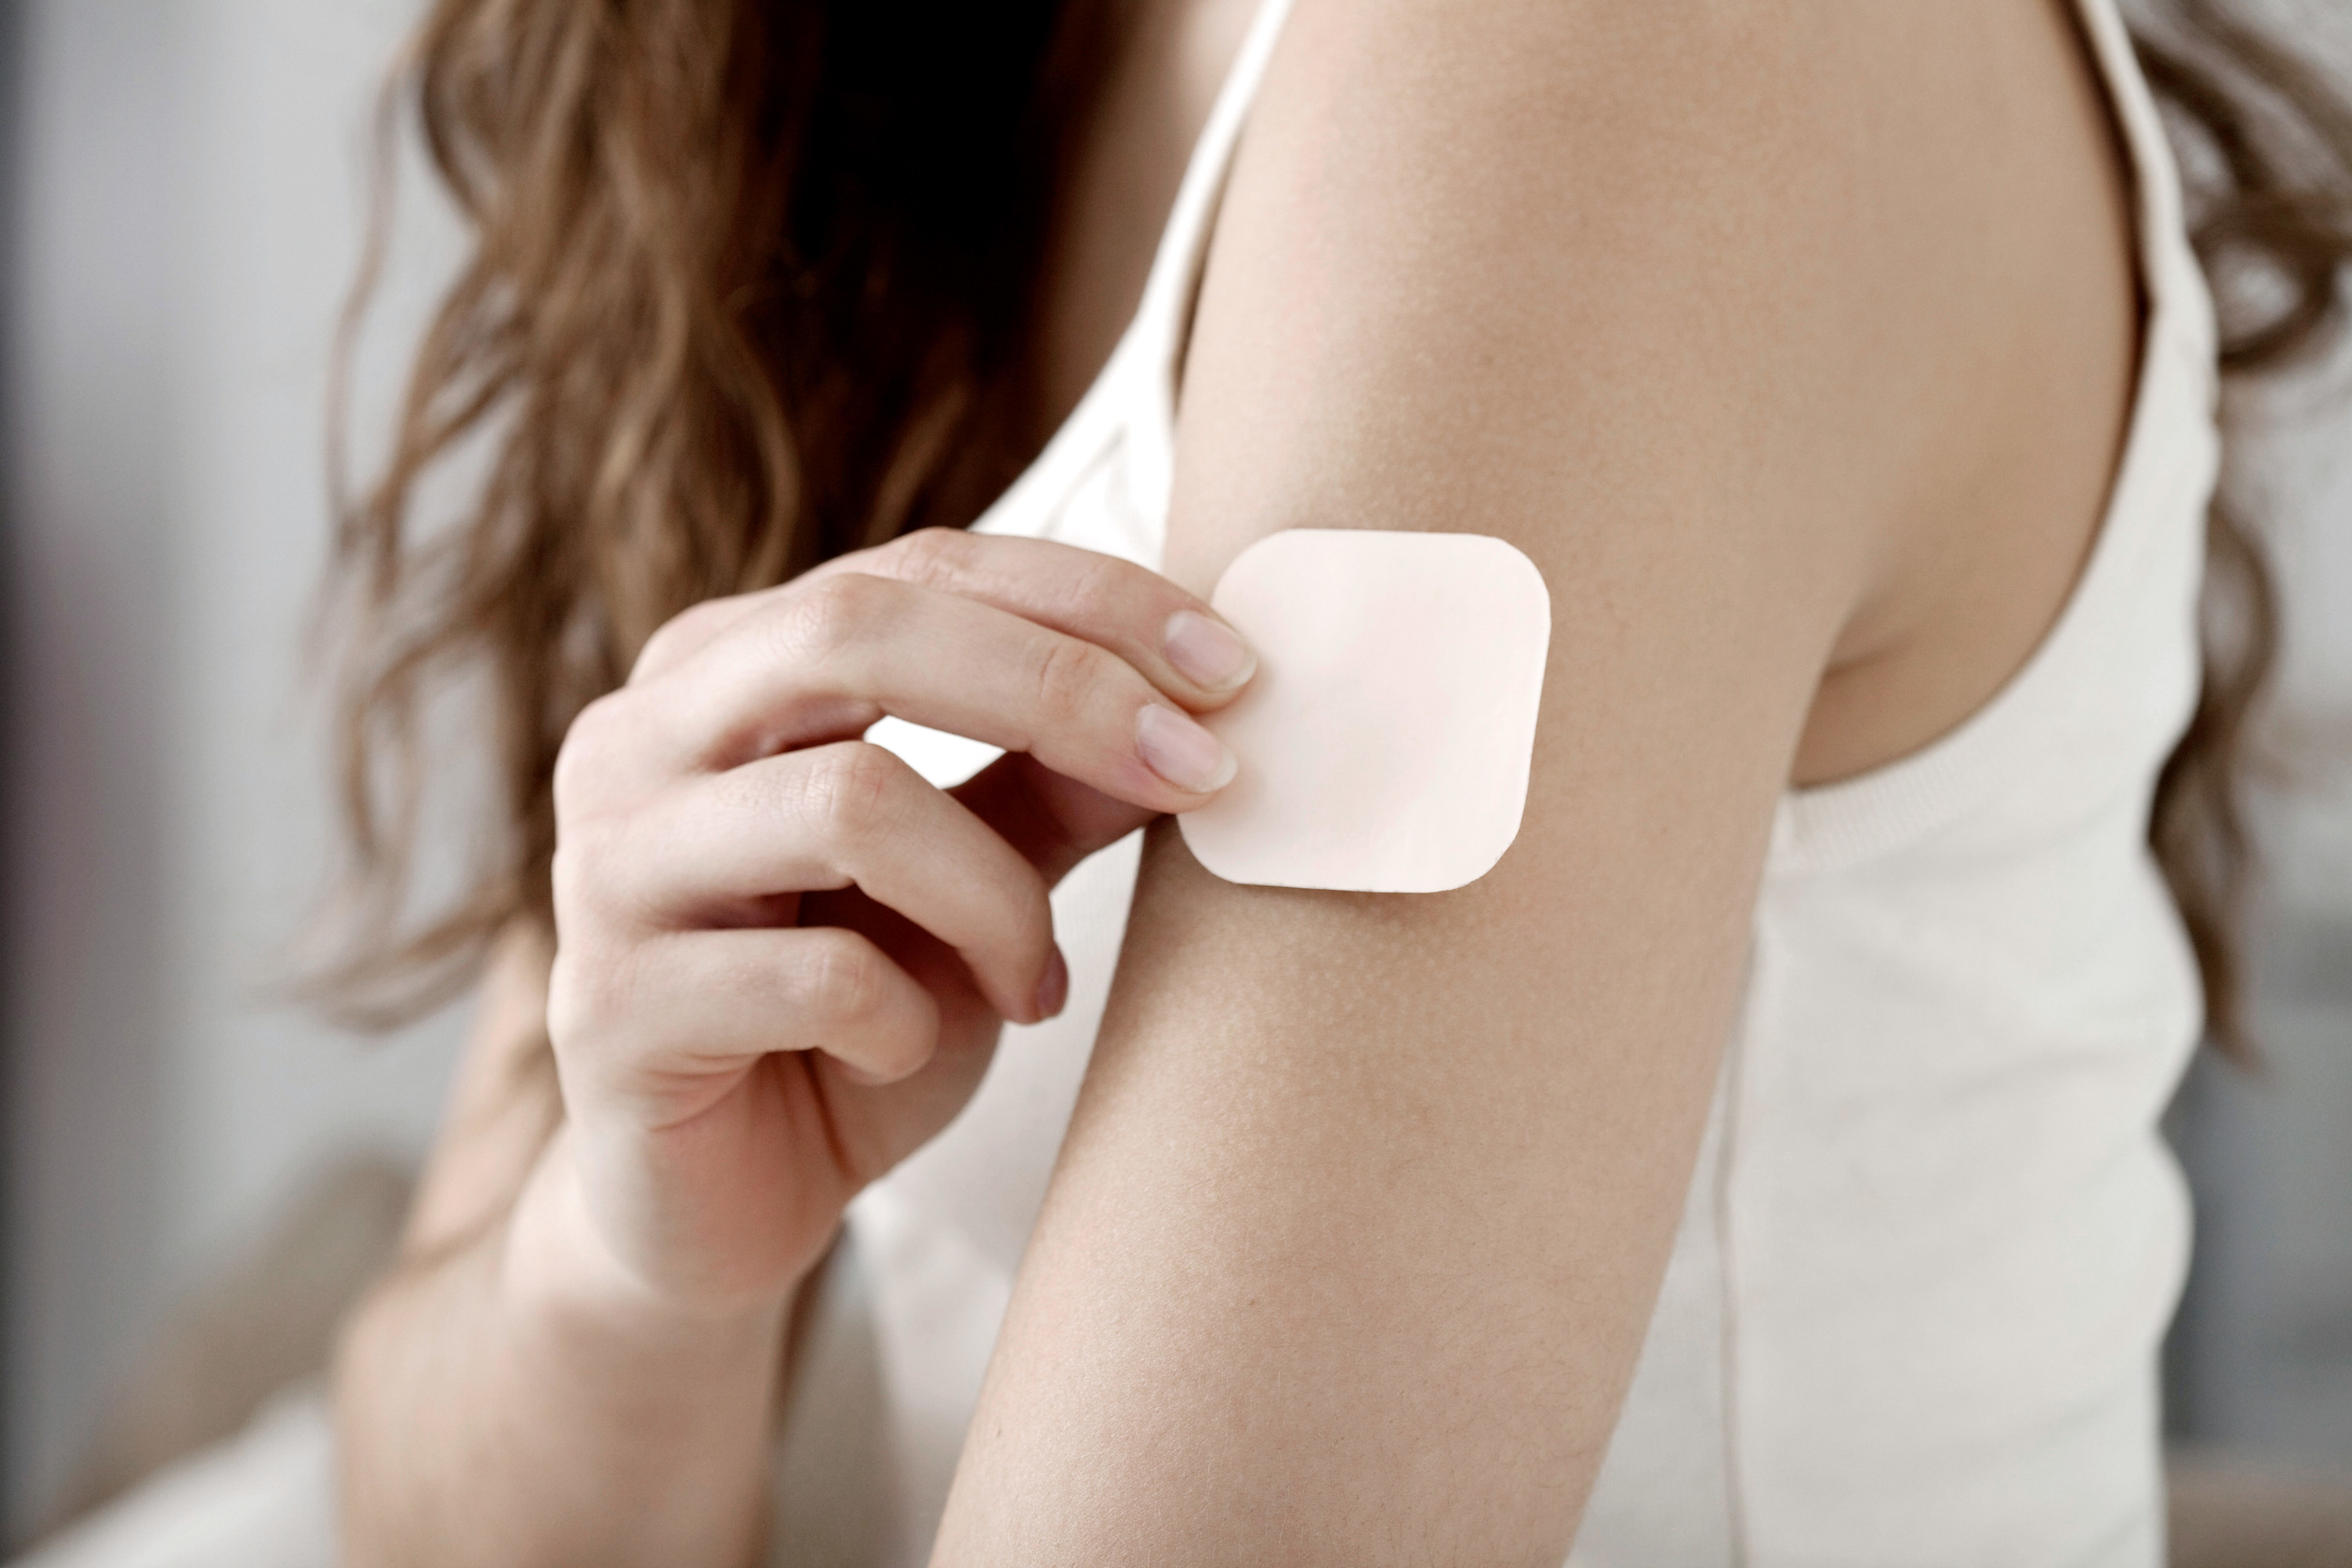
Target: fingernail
x,y
1206,651
1180,752
1054,989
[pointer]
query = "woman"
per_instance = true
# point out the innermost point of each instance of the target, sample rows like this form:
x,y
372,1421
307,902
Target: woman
x,y
1758,1165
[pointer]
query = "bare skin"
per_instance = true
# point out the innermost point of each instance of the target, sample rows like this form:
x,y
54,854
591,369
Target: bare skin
x,y
1640,291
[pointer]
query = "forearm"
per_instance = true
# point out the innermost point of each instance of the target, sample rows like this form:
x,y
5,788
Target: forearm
x,y
1351,1244
515,1402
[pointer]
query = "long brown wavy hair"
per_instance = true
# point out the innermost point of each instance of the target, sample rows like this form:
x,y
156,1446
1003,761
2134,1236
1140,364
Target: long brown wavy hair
x,y
749,286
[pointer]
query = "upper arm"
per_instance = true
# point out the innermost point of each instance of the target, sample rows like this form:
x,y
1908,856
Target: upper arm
x,y
1365,1201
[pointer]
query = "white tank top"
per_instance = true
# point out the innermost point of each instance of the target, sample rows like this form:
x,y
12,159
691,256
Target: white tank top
x,y
1916,1299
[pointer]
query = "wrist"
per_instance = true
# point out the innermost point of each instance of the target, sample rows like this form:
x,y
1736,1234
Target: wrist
x,y
561,1275
627,1428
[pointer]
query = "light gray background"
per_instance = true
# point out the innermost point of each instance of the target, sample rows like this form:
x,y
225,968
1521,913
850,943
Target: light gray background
x,y
188,212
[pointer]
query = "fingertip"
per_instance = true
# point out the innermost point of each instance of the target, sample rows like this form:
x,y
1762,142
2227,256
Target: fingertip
x,y
895,1068
1181,752
1054,988
1207,652
864,1077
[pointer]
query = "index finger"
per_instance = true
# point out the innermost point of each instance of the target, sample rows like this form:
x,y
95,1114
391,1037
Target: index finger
x,y
1172,638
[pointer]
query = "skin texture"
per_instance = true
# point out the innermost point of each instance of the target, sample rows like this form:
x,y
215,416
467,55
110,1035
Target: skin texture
x,y
1363,1209
1792,343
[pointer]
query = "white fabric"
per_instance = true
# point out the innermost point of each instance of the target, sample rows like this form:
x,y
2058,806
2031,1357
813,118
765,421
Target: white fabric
x,y
263,1499
1913,1307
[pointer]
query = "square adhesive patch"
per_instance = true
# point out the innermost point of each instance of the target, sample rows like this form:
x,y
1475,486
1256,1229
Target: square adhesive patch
x,y
1385,740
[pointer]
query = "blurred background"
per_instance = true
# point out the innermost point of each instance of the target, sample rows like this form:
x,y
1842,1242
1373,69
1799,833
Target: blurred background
x,y
183,204
185,207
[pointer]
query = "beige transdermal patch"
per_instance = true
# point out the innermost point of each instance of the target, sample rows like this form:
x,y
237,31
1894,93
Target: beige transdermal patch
x,y
1385,740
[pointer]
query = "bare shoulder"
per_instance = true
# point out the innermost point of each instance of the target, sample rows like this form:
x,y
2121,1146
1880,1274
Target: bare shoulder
x,y
1838,298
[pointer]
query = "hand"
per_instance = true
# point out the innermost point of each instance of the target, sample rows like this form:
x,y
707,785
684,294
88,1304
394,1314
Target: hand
x,y
782,958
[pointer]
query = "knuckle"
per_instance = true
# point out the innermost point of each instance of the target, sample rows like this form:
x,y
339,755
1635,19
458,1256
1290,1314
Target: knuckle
x,y
1098,596
590,737
850,789
571,1009
845,981
833,615
580,871
934,557
1064,676
589,994
687,628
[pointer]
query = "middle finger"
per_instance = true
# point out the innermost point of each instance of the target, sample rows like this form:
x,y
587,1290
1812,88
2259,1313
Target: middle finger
x,y
833,817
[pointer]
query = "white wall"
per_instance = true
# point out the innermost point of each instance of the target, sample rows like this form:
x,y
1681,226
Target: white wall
x,y
189,214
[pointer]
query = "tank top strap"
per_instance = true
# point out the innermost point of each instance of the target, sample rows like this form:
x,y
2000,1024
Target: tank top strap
x,y
1155,339
1123,427
1167,291
2179,304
